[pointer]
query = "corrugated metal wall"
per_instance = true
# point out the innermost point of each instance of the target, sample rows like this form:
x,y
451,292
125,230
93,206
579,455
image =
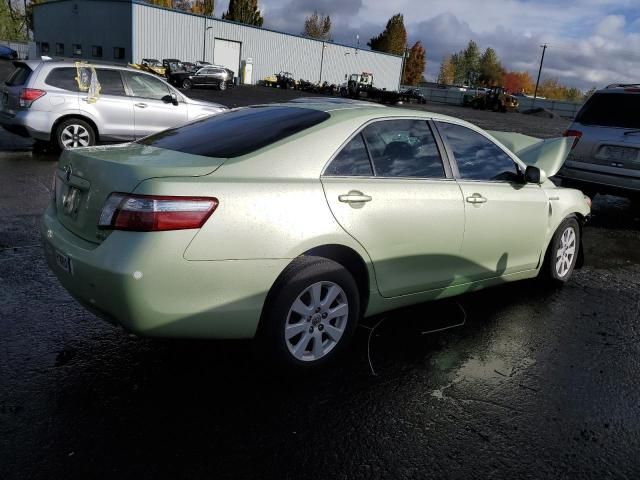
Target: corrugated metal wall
x,y
159,33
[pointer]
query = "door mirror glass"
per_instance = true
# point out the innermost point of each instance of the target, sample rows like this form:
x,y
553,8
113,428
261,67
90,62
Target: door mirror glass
x,y
174,98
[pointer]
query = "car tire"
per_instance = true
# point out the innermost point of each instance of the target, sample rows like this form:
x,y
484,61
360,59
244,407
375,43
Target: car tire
x,y
222,86
563,252
73,133
310,314
187,84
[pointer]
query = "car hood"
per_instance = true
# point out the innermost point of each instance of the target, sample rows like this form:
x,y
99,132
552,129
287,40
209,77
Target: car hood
x,y
204,103
548,155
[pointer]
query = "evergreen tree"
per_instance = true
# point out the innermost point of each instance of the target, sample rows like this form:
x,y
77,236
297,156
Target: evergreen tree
x,y
470,63
244,11
317,26
491,71
415,65
393,39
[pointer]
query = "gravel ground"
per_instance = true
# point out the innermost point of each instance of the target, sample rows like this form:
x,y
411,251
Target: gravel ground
x,y
538,383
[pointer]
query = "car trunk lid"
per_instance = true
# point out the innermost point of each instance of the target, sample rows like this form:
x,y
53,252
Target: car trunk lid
x,y
87,176
10,89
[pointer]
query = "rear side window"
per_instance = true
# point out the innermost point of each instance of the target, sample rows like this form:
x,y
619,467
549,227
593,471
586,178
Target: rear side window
x,y
110,82
611,110
64,78
19,76
353,160
237,132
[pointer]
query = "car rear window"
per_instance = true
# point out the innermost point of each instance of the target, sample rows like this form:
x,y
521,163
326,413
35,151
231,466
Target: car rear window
x,y
237,132
64,78
611,110
19,76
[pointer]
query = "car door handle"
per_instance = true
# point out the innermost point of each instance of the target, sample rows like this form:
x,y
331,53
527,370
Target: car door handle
x,y
354,197
476,198
141,105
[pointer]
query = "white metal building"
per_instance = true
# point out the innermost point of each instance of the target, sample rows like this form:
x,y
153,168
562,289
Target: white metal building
x,y
129,30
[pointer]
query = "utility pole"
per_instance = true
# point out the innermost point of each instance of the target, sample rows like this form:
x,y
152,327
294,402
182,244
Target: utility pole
x,y
535,94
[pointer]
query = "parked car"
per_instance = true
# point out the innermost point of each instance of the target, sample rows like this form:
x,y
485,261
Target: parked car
x,y
412,95
8,53
605,155
172,65
277,222
43,100
211,76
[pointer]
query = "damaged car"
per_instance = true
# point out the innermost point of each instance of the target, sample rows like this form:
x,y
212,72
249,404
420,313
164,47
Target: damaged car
x,y
290,222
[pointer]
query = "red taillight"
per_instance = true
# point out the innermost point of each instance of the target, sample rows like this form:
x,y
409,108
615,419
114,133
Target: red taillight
x,y
573,133
30,95
150,213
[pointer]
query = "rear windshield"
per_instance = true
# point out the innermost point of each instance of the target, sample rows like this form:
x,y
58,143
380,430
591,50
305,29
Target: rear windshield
x,y
611,110
19,76
237,132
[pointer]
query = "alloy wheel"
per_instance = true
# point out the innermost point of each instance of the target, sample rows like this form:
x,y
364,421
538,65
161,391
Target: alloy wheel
x,y
316,321
566,252
74,135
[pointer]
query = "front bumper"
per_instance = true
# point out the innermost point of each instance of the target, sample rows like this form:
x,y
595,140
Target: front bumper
x,y
142,282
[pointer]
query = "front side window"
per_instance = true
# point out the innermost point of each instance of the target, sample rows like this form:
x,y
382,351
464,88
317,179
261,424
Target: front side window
x,y
478,158
110,82
403,148
145,86
353,160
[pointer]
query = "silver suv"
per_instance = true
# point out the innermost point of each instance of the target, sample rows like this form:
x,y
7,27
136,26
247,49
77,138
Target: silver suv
x,y
59,101
605,157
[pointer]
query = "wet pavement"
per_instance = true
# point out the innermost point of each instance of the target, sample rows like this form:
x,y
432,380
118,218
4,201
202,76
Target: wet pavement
x,y
537,383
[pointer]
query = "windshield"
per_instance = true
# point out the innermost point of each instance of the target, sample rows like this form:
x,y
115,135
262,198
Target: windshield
x,y
611,110
238,132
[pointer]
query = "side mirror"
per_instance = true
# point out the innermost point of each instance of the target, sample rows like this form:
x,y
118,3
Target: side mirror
x,y
534,175
174,99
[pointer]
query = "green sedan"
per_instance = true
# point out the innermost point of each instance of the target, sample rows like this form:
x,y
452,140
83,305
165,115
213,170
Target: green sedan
x,y
290,222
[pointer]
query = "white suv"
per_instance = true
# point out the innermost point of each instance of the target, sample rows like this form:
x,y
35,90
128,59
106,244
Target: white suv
x,y
49,101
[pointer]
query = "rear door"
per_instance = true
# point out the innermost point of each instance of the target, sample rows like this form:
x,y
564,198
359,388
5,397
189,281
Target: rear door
x,y
152,107
505,218
113,108
389,188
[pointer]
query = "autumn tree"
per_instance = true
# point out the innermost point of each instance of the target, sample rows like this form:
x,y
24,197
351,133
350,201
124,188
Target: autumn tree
x,y
244,11
490,69
518,82
393,39
317,26
202,7
162,3
415,65
447,73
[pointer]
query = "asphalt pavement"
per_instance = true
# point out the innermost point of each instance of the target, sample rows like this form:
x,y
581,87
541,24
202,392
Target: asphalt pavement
x,y
536,383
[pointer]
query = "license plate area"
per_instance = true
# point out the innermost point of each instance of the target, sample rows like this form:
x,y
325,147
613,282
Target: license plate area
x,y
619,155
64,262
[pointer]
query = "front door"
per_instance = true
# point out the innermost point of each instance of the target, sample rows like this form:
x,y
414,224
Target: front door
x,y
389,189
152,107
505,218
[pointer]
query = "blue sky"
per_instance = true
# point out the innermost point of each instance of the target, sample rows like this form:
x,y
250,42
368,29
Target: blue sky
x,y
592,42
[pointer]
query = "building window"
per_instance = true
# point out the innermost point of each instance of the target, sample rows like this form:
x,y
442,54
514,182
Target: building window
x,y
44,48
118,53
96,51
77,50
59,48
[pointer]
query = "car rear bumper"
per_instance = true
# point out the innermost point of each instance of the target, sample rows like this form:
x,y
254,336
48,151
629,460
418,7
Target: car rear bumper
x,y
28,123
142,282
601,177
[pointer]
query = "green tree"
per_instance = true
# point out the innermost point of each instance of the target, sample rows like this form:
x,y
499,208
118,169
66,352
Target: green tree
x,y
447,73
393,39
470,63
13,21
162,3
491,71
244,11
415,65
317,26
